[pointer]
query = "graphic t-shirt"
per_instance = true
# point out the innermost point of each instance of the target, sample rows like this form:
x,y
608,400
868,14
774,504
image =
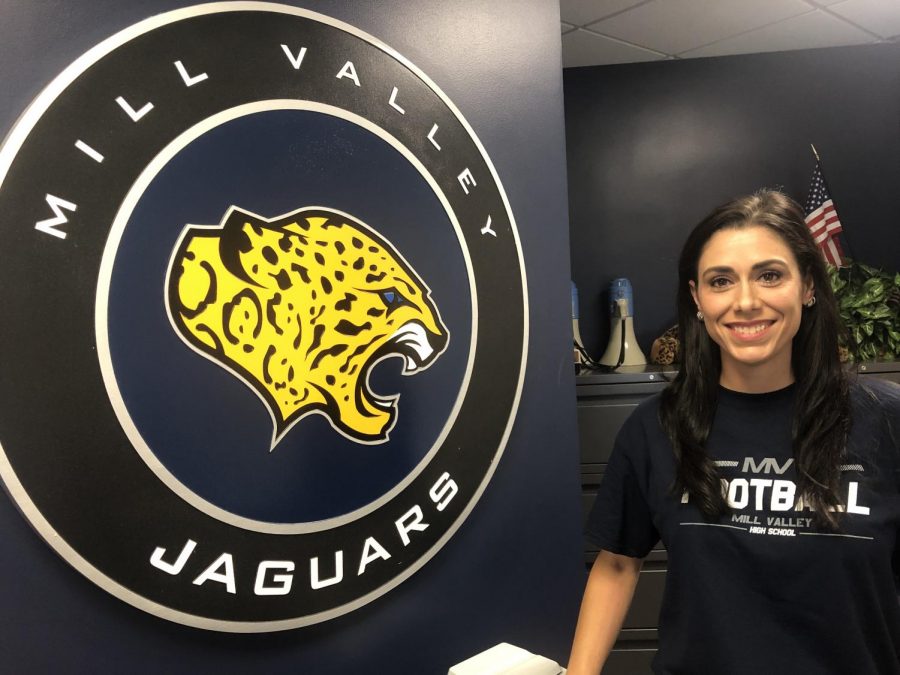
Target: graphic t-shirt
x,y
763,590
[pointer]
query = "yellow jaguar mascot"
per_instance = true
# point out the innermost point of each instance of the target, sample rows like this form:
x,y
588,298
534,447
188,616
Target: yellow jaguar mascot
x,y
301,307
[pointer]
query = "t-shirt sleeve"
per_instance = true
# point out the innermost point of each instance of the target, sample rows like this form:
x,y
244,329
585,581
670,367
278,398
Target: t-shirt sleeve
x,y
888,394
620,520
880,400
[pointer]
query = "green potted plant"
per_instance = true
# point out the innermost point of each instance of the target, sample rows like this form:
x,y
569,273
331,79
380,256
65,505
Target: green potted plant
x,y
869,301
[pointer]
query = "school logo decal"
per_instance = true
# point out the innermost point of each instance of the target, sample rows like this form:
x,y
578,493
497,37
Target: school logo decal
x,y
266,317
302,307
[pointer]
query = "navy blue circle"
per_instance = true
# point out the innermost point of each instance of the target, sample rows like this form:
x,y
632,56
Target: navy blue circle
x,y
208,428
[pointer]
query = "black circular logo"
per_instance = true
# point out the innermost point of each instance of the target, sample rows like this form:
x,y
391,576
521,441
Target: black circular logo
x,y
266,317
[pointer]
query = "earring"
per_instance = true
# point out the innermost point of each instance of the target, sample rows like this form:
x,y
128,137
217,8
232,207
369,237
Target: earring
x,y
809,303
700,315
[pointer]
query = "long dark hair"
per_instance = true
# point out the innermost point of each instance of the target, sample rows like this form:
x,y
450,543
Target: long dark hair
x,y
822,410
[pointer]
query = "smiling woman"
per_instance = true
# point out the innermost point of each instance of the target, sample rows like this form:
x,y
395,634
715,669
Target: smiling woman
x,y
753,266
751,293
772,480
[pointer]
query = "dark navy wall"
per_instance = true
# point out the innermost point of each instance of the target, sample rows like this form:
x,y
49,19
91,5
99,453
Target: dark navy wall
x,y
513,571
653,147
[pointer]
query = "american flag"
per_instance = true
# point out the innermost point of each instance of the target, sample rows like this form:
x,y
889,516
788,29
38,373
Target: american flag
x,y
822,219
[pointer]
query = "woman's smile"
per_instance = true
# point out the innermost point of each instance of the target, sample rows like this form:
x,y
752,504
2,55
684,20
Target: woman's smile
x,y
750,330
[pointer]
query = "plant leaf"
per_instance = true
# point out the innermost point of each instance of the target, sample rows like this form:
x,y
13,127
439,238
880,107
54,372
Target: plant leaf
x,y
881,311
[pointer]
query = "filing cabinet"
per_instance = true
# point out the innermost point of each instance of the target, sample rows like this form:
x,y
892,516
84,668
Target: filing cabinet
x,y
605,400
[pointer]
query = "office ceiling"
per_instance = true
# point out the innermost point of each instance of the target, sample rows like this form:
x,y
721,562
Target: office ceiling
x,y
602,32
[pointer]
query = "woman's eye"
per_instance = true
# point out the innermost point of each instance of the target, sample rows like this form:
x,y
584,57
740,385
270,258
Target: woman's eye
x,y
770,277
719,282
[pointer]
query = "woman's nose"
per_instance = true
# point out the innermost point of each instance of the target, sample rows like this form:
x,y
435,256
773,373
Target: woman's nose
x,y
747,298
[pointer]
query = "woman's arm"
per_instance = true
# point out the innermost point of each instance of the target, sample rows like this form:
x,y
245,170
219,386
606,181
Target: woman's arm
x,y
606,600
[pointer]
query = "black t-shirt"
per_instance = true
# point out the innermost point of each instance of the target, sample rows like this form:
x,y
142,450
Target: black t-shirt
x,y
762,590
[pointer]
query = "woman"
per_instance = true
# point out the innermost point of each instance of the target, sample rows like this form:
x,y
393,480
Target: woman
x,y
773,482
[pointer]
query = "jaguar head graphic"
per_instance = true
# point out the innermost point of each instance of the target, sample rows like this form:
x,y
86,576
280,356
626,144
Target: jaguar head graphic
x,y
301,307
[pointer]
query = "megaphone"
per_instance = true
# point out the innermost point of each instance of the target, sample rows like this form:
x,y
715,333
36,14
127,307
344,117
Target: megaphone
x,y
623,349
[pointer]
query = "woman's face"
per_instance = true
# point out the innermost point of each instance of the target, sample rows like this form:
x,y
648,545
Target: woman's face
x,y
751,293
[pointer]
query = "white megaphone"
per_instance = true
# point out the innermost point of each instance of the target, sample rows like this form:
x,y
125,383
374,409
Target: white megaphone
x,y
623,349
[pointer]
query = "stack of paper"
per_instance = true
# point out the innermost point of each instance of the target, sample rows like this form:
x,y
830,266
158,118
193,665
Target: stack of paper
x,y
507,659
